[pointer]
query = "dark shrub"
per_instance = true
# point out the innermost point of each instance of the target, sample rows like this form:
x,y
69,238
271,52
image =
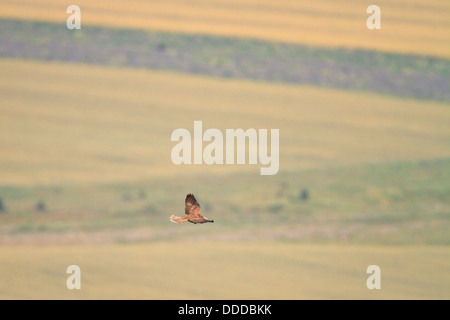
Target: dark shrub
x,y
161,47
304,195
40,206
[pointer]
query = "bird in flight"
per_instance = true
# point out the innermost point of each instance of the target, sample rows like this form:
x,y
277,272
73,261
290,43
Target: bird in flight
x,y
192,212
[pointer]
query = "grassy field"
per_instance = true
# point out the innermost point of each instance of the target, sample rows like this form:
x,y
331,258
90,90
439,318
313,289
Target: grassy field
x,y
219,270
376,169
419,27
391,204
75,123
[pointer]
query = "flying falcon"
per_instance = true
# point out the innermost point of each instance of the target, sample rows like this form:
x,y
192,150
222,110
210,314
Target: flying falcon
x,y
192,210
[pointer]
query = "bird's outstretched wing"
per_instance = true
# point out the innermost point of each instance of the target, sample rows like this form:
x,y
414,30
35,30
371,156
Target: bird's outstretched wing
x,y
191,206
176,219
198,219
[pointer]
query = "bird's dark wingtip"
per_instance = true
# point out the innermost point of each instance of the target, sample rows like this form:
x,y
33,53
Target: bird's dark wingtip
x,y
190,196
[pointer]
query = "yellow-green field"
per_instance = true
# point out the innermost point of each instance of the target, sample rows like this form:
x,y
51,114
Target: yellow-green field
x,y
419,27
80,125
218,270
74,123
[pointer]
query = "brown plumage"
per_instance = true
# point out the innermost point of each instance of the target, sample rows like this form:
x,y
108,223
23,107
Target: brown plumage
x,y
192,212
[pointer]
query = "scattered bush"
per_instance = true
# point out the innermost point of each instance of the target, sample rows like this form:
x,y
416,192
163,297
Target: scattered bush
x,y
161,47
40,206
304,195
2,206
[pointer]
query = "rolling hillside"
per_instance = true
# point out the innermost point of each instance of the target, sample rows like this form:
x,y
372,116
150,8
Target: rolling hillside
x,y
410,76
69,123
419,27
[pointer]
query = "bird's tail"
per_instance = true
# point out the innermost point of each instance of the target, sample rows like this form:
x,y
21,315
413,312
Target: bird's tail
x,y
176,219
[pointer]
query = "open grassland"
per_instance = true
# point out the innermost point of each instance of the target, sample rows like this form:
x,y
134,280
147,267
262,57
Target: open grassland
x,y
219,270
419,27
402,203
75,123
93,144
86,176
